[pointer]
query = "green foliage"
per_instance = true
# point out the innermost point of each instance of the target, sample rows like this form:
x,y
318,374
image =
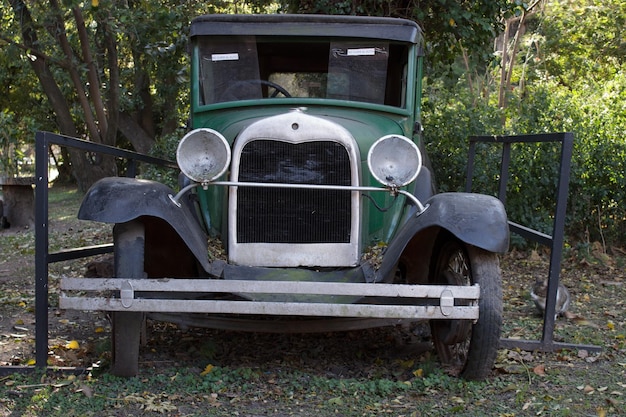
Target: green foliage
x,y
450,116
559,86
164,148
447,25
16,134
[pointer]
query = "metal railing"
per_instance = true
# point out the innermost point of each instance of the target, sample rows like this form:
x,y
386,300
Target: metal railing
x,y
43,257
553,241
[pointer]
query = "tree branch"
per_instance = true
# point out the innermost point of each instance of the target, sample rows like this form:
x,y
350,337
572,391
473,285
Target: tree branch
x,y
92,73
61,36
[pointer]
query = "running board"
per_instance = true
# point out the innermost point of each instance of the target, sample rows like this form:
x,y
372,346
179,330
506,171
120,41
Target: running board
x,y
446,301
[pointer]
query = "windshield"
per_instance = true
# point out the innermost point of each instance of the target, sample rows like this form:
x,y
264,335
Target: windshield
x,y
248,67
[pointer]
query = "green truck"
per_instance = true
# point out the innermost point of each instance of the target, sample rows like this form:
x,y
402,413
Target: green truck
x,y
306,201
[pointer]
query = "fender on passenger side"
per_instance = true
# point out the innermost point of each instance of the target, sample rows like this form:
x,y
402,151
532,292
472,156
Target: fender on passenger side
x,y
121,199
476,219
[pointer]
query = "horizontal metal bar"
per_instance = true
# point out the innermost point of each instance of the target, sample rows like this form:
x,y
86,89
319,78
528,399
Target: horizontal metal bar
x,y
540,137
77,253
85,145
268,287
346,188
268,308
545,346
530,234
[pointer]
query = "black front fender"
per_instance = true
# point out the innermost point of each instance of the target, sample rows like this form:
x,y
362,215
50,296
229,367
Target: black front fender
x,y
476,219
120,199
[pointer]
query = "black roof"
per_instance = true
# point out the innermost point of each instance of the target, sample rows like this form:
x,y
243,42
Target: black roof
x,y
307,25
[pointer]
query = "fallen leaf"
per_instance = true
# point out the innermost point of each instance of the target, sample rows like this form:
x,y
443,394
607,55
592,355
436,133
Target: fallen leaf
x,y
540,370
207,370
335,401
72,344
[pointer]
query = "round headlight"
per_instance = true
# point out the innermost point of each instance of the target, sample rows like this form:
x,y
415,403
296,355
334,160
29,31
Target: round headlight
x,y
394,160
203,155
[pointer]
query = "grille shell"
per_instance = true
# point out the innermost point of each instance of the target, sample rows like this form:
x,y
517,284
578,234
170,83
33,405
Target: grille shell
x,y
299,148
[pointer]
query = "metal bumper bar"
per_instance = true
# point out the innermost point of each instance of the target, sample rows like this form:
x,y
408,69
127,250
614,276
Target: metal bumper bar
x,y
441,301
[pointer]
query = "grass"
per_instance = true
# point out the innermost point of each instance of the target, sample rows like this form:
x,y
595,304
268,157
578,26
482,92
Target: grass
x,y
219,373
244,391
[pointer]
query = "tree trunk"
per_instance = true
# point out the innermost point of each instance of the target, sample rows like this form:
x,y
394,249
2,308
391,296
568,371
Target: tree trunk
x,y
86,168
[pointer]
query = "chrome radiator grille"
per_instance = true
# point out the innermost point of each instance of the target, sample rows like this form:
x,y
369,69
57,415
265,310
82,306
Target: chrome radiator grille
x,y
286,215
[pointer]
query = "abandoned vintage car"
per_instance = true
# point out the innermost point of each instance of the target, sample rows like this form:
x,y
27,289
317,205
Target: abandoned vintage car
x,y
306,201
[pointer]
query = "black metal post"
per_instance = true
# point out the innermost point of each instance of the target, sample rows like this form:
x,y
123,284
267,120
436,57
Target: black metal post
x,y
41,250
557,239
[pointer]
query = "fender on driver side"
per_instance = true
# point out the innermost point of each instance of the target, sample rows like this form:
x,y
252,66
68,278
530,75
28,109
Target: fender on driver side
x,y
120,199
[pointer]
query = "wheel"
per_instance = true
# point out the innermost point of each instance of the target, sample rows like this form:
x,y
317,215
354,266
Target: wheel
x,y
233,92
469,348
128,240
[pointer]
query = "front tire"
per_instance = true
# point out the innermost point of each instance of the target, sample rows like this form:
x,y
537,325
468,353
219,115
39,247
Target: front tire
x,y
469,348
129,243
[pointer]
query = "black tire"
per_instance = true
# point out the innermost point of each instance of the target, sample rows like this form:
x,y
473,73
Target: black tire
x,y
469,348
129,242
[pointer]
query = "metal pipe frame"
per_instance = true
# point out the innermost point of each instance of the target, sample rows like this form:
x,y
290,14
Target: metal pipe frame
x,y
43,257
554,241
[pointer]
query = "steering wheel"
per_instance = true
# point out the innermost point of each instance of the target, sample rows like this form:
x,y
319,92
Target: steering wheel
x,y
231,93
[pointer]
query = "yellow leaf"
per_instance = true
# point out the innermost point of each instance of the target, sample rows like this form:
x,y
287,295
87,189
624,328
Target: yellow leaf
x,y
99,329
21,304
19,322
610,325
72,344
95,3
207,370
30,362
452,22
418,372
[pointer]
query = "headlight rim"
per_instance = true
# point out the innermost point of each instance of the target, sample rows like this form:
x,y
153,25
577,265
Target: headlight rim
x,y
187,162
375,169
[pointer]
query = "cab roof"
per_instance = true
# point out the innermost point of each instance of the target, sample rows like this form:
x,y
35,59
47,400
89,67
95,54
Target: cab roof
x,y
384,28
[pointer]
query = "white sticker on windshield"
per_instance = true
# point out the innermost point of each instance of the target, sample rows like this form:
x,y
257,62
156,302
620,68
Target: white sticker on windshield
x,y
225,57
361,51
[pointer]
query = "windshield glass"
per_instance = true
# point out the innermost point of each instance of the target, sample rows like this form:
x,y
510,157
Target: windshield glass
x,y
248,67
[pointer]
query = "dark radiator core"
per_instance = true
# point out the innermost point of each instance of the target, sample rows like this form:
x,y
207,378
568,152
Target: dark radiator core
x,y
284,215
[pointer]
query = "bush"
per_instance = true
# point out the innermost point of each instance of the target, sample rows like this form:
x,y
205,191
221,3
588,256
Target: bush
x,y
596,114
164,148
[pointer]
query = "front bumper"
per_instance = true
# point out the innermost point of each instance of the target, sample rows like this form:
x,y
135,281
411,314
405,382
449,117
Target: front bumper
x,y
171,296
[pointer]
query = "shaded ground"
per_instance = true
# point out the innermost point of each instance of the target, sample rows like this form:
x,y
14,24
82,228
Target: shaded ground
x,y
321,374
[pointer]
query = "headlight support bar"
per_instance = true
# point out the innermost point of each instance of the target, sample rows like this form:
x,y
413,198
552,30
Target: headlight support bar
x,y
392,190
